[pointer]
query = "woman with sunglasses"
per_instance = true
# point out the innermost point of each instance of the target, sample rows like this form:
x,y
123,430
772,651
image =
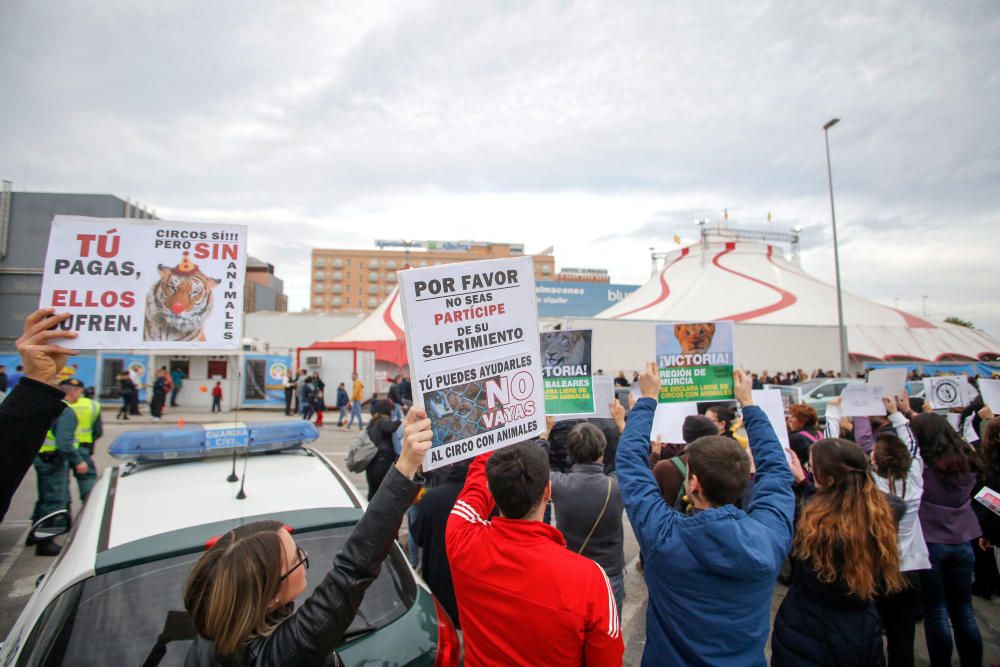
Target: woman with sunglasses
x,y
241,593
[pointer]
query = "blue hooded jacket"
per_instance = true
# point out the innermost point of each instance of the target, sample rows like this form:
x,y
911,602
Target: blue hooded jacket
x,y
711,575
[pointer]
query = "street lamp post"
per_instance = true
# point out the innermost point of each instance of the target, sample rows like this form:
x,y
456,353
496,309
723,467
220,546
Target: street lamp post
x,y
836,252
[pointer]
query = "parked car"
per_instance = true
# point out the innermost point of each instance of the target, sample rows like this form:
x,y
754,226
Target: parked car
x,y
816,393
113,596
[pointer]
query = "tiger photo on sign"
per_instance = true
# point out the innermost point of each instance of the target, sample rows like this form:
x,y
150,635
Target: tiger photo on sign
x,y
695,338
179,303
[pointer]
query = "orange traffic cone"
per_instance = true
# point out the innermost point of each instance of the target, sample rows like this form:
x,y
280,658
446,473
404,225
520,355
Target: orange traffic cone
x,y
180,422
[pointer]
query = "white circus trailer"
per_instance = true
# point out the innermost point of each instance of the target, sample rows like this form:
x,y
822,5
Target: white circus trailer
x,y
336,366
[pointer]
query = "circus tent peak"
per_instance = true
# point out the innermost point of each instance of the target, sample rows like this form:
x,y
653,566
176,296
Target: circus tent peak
x,y
381,332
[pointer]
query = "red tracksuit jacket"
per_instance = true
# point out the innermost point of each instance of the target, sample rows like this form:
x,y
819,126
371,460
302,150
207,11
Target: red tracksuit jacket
x,y
523,598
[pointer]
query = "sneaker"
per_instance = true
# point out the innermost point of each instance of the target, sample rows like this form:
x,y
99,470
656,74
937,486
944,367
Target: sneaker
x,y
47,548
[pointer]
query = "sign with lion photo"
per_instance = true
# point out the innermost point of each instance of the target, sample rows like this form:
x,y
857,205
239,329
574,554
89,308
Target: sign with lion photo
x,y
566,369
695,361
131,284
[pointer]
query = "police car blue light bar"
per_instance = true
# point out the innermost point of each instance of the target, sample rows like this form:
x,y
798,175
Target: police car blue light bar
x,y
195,442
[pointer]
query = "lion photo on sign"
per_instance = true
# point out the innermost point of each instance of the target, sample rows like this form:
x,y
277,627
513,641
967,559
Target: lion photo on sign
x,y
179,303
695,338
565,348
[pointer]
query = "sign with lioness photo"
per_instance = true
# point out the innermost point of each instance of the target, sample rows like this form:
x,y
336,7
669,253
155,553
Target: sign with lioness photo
x,y
151,284
569,381
695,361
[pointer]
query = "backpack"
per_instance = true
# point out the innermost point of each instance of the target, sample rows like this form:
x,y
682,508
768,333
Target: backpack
x,y
361,453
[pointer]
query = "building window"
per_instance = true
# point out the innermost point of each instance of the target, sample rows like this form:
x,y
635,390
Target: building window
x,y
337,275
337,289
217,368
317,301
336,301
373,264
546,269
373,289
318,289
373,277
390,277
373,302
391,264
336,263
319,275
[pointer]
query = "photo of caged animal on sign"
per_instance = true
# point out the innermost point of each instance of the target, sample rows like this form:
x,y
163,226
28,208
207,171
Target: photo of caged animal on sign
x,y
179,303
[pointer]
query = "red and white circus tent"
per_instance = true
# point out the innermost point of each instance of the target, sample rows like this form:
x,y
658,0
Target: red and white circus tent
x,y
381,332
753,283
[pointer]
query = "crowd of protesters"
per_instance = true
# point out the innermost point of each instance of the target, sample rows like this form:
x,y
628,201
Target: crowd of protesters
x,y
873,520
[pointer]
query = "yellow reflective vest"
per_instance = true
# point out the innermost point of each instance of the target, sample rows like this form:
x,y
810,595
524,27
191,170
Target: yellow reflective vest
x,y
87,411
50,437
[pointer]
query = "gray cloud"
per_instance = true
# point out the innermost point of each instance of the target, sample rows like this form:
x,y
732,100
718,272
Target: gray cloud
x,y
331,124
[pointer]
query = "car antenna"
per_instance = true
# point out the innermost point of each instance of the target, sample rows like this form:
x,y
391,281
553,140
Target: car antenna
x,y
232,476
241,495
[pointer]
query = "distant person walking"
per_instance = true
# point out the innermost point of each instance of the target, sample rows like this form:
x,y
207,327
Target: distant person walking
x,y
177,376
288,383
217,397
343,400
159,395
357,398
127,390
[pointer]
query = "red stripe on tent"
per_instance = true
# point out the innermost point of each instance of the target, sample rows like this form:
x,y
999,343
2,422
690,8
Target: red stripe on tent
x,y
911,320
387,318
664,288
787,298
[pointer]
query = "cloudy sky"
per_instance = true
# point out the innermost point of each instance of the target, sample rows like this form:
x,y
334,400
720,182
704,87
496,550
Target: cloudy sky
x,y
599,128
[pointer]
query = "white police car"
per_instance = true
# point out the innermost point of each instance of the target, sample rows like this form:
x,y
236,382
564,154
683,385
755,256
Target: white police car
x,y
113,596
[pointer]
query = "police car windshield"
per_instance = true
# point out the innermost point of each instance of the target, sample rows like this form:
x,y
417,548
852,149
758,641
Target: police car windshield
x,y
127,616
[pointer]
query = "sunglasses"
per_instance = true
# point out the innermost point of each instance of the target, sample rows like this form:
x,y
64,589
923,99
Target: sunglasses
x,y
303,560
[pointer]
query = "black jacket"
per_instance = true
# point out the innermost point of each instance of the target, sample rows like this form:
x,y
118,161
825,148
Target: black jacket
x,y
309,635
25,416
823,625
428,531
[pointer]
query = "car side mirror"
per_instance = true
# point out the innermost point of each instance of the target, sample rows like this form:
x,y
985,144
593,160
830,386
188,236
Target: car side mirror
x,y
50,525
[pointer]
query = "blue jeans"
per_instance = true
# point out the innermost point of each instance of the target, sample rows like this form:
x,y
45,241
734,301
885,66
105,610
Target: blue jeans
x,y
618,586
356,412
946,593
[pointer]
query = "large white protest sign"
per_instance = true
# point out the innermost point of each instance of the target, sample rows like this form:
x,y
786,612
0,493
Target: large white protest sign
x,y
472,339
150,284
945,392
892,380
668,421
862,400
991,394
769,400
604,395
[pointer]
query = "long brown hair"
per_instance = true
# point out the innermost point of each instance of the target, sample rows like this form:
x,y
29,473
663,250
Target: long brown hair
x,y
847,531
228,592
989,448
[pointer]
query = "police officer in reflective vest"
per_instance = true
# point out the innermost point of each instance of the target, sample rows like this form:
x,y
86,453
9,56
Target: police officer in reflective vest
x,y
56,456
88,429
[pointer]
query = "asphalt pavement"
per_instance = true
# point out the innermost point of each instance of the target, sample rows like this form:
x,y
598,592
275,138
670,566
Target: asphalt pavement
x,y
20,567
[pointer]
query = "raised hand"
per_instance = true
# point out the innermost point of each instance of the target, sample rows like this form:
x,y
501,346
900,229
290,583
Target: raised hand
x,y
618,414
41,358
417,437
649,381
890,404
742,388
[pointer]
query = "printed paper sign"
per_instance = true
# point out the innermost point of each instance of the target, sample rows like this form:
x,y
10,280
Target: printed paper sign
x,y
991,394
769,400
990,499
472,338
862,400
604,395
892,380
695,361
945,392
151,284
569,383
